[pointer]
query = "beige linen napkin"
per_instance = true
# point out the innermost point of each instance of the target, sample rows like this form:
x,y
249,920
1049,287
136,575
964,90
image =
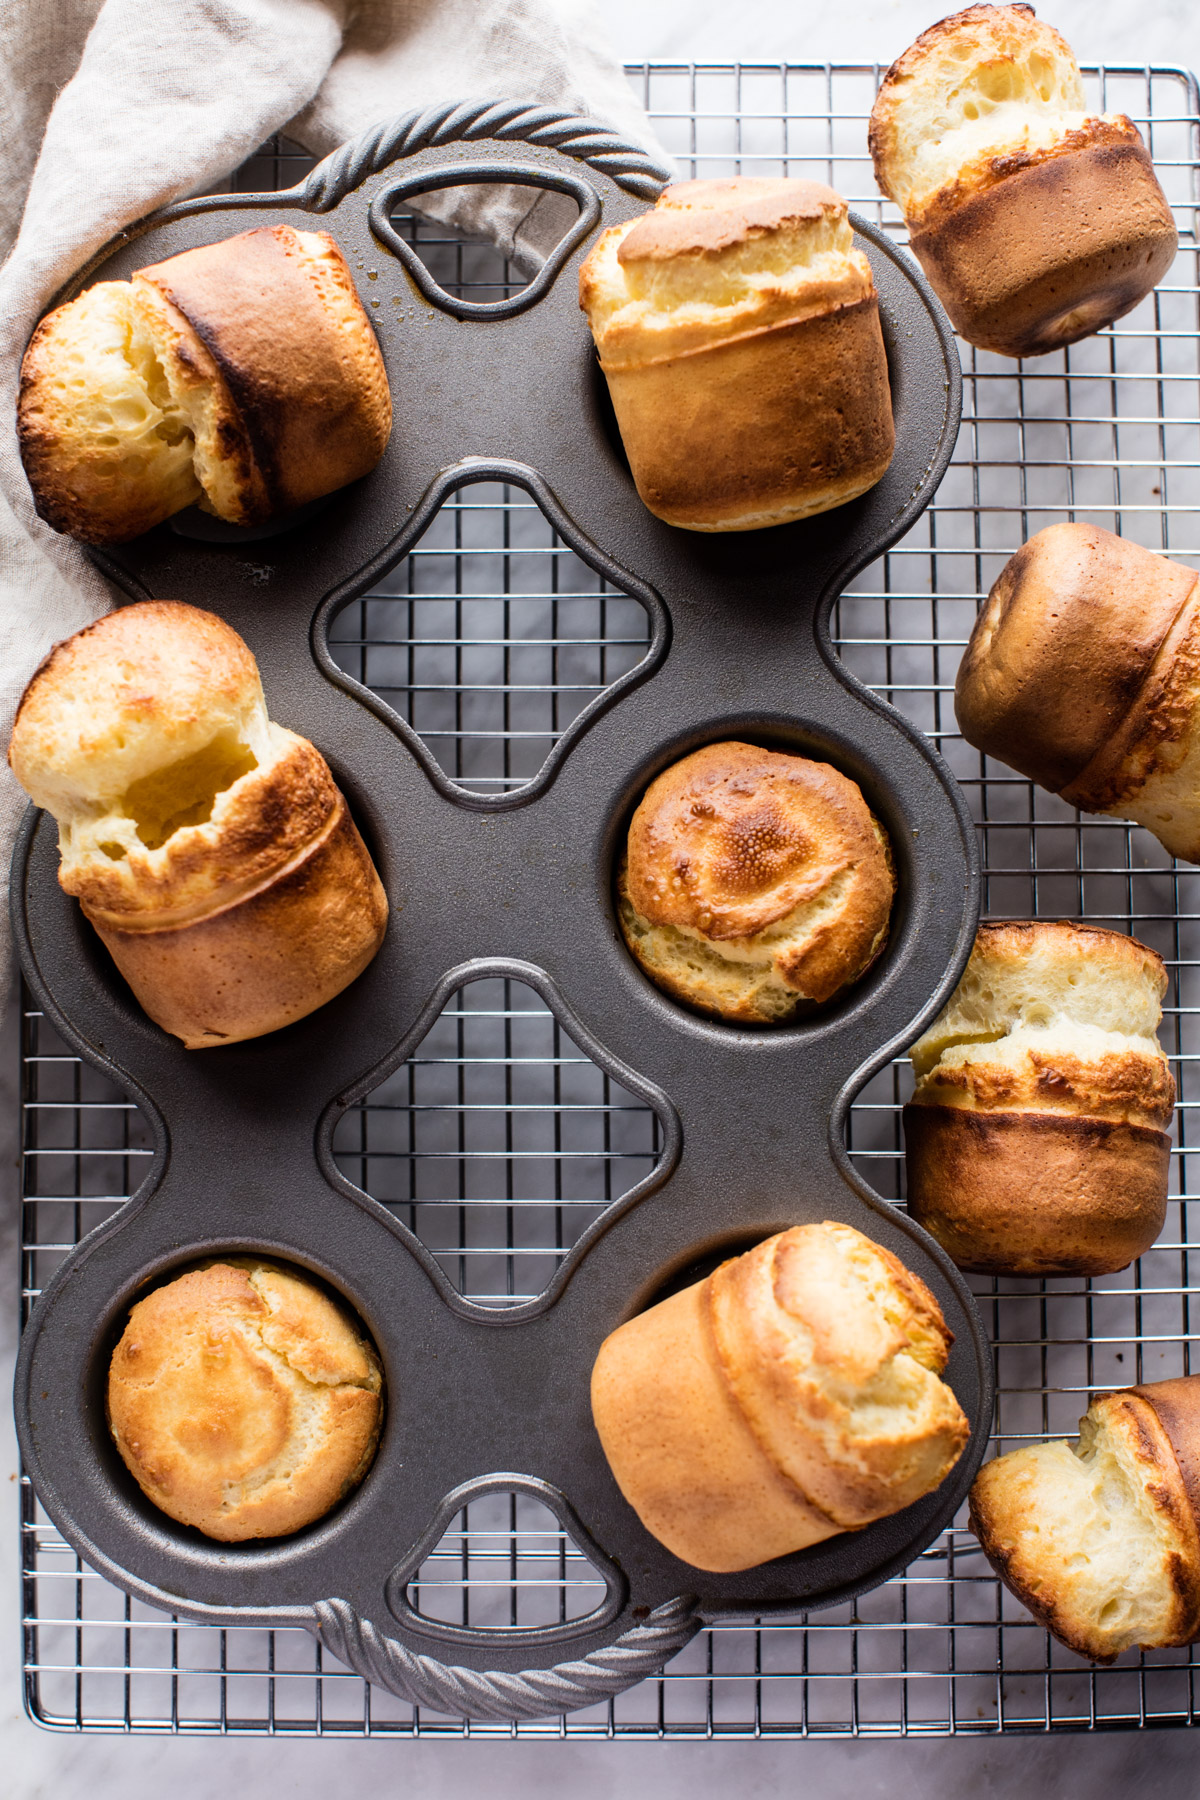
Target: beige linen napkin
x,y
110,108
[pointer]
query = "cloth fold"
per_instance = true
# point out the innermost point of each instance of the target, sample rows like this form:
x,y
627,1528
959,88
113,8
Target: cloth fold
x,y
134,106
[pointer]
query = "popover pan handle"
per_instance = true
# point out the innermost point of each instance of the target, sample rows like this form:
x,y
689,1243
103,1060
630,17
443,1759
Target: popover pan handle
x,y
457,122
531,1694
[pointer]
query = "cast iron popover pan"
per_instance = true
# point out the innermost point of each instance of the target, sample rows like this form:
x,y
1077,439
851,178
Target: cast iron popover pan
x,y
517,885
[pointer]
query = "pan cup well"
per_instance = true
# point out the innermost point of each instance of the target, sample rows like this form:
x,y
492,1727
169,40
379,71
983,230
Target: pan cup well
x,y
793,737
268,1404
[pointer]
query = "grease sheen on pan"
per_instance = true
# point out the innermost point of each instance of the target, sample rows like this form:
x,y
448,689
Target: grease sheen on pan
x,y
243,1400
1036,220
242,375
754,884
210,848
1036,1139
738,331
1099,1538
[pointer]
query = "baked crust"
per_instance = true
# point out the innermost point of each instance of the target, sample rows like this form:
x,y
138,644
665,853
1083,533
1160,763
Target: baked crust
x,y
738,330
1063,647
1035,1193
1100,1543
804,413
1035,1139
1124,1086
1104,238
723,1409
1036,222
1176,1404
1083,672
243,1401
302,401
1157,724
267,958
244,374
754,882
210,848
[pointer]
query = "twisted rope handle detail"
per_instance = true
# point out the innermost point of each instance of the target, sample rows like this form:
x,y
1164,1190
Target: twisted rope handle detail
x,y
534,1693
456,122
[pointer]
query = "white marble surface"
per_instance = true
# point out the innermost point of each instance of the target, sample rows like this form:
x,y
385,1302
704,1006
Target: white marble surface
x,y
35,1765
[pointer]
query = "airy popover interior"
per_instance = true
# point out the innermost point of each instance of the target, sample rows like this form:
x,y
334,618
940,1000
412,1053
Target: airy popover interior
x,y
243,375
1099,1538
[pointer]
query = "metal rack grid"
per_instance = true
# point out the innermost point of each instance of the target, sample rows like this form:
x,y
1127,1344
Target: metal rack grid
x,y
1105,432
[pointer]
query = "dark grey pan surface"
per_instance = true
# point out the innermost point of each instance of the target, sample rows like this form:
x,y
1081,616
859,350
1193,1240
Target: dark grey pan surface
x,y
520,885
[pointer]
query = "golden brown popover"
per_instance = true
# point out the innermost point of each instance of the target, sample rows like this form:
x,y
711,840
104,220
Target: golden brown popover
x,y
754,883
794,1394
1036,1136
243,1400
1036,221
244,375
738,331
210,848
1083,672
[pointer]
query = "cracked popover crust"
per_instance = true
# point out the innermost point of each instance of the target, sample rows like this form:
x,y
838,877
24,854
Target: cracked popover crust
x,y
1036,1137
210,848
755,884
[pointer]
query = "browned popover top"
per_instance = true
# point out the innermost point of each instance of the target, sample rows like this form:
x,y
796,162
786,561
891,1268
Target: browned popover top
x,y
718,261
700,217
1062,648
733,837
763,854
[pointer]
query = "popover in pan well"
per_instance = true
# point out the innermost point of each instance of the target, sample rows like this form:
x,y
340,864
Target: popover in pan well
x,y
1036,1137
754,883
244,375
1083,673
1099,1538
210,848
243,1400
738,331
794,1394
1036,221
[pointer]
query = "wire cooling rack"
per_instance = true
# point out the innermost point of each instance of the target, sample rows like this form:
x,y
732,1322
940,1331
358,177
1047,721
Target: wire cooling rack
x,y
500,1140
